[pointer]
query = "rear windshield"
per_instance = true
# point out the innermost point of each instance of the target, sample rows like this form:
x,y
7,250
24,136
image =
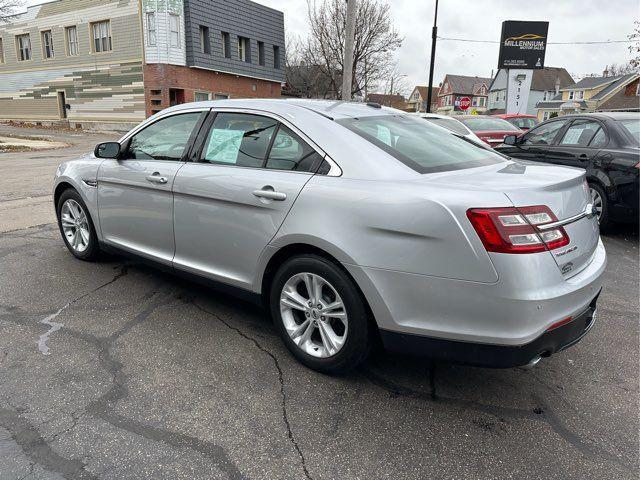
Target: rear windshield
x,y
450,124
420,145
523,122
633,127
488,124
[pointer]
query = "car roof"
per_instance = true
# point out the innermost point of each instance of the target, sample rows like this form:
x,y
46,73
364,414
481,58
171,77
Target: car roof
x,y
333,109
606,115
513,115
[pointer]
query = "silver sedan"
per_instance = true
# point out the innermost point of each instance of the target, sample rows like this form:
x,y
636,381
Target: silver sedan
x,y
353,223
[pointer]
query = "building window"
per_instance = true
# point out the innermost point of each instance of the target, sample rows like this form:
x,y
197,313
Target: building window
x,y
276,57
261,53
1,52
205,41
151,28
101,33
202,96
23,43
482,101
71,36
221,96
571,95
226,45
580,95
243,49
174,31
47,44
637,84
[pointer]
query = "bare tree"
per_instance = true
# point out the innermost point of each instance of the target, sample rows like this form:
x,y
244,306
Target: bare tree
x,y
634,48
616,69
375,41
9,9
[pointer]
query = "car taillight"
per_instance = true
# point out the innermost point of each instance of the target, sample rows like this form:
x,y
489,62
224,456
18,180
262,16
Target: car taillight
x,y
516,230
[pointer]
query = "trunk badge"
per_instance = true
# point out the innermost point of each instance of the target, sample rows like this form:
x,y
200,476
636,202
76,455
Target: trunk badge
x,y
561,253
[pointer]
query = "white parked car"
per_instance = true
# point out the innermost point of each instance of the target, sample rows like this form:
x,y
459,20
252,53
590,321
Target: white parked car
x,y
453,125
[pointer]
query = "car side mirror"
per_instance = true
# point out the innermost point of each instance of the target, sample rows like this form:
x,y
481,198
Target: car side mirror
x,y
510,140
107,150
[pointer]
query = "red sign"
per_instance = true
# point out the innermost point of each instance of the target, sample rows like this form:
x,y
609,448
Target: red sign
x,y
465,102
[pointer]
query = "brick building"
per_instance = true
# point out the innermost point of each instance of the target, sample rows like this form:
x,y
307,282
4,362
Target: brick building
x,y
90,62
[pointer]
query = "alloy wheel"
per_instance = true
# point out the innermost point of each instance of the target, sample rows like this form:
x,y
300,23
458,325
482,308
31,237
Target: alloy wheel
x,y
314,315
75,225
596,199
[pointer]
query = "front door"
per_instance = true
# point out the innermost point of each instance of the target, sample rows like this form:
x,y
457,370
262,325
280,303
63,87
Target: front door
x,y
579,145
230,203
135,202
534,144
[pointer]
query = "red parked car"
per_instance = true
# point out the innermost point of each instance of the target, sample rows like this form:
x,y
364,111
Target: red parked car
x,y
491,130
520,120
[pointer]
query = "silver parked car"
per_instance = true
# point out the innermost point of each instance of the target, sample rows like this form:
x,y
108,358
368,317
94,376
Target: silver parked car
x,y
354,223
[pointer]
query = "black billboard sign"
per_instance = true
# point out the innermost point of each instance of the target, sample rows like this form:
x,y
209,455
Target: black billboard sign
x,y
523,44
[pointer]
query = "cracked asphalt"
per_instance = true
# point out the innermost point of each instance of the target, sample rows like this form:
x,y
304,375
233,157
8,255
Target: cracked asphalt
x,y
149,376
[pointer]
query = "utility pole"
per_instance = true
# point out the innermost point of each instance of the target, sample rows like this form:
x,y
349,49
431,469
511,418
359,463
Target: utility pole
x,y
347,62
434,36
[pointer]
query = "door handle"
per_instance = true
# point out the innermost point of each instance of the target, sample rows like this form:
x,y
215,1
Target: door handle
x,y
583,156
156,178
267,192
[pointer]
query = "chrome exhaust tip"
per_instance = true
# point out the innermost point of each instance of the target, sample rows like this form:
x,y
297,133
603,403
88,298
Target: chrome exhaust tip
x,y
533,362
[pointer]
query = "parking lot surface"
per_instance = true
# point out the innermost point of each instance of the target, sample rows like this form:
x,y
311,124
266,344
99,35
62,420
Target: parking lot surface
x,y
113,370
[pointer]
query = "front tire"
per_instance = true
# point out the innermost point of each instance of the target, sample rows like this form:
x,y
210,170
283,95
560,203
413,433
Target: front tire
x,y
76,226
320,314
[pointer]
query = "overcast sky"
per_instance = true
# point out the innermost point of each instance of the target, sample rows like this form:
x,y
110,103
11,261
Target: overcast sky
x,y
570,20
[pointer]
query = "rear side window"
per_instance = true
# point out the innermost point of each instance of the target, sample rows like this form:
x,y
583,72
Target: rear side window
x,y
544,134
290,152
420,145
239,139
166,139
483,123
580,133
599,140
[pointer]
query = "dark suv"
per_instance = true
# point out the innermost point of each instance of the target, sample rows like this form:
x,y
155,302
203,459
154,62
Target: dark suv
x,y
606,145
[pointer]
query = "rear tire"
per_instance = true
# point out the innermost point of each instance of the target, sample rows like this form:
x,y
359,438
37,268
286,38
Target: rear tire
x,y
76,226
601,203
328,329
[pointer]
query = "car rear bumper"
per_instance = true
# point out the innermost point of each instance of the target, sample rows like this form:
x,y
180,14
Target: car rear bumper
x,y
513,312
494,356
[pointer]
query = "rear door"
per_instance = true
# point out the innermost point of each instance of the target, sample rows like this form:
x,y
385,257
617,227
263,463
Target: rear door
x,y
579,145
231,201
135,202
534,144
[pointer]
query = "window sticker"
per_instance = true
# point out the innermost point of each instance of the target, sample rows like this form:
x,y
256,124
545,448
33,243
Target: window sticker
x,y
224,145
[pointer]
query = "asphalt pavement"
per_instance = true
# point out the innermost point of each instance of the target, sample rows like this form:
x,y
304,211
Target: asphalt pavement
x,y
113,370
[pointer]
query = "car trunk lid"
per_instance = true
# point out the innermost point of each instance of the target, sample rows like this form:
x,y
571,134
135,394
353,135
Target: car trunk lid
x,y
562,189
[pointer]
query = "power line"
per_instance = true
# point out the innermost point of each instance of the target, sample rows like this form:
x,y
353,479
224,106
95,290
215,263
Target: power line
x,y
596,42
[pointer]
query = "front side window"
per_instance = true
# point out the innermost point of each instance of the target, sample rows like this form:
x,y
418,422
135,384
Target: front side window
x,y
544,134
23,43
239,139
166,139
71,34
580,133
151,28
101,34
47,44
174,30
290,152
423,147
